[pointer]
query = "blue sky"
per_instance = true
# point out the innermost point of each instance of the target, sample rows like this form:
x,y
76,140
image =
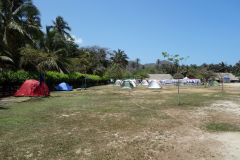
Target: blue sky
x,y
206,30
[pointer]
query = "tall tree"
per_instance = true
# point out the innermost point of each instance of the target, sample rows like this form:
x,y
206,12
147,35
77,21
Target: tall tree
x,y
158,63
137,62
61,26
120,58
133,65
19,25
118,64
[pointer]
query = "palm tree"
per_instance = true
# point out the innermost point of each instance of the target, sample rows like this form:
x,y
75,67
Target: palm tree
x,y
60,25
137,62
54,43
119,58
237,67
158,63
17,25
5,57
133,65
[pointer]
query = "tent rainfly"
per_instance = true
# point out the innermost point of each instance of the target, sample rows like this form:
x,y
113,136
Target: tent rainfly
x,y
117,83
127,85
213,83
144,82
168,82
154,84
31,88
63,87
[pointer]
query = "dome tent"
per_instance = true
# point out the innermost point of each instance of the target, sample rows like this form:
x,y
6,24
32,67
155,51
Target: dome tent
x,y
213,83
168,82
30,88
154,84
144,82
117,83
63,87
127,85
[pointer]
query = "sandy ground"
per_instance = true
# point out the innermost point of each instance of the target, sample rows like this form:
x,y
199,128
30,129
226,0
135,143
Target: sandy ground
x,y
190,141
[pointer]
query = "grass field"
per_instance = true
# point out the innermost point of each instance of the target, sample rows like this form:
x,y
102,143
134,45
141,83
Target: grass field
x,y
105,122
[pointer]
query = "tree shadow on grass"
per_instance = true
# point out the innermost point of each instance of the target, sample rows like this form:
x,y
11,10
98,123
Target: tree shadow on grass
x,y
3,108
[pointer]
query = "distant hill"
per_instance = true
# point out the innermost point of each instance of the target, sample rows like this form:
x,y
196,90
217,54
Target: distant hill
x,y
148,64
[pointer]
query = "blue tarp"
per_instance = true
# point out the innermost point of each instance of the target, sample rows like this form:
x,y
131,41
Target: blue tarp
x,y
63,87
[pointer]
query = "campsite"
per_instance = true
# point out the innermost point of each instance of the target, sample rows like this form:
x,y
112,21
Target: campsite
x,y
119,80
106,122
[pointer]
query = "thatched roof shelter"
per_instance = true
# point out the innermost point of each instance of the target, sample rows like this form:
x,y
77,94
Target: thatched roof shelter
x,y
159,76
229,75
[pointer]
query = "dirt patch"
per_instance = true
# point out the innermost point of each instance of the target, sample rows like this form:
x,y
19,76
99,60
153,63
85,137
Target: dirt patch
x,y
192,141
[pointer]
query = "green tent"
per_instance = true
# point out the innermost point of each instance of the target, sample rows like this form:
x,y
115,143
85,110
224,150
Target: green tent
x,y
117,83
180,83
127,85
213,83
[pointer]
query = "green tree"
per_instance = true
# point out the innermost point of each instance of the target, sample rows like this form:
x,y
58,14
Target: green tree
x,y
206,75
85,61
140,74
115,71
41,60
158,62
176,60
119,58
19,25
61,26
151,70
133,65
137,63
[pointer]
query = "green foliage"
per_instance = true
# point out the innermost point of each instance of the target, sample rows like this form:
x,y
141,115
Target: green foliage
x,y
115,72
52,77
193,73
151,70
178,76
140,74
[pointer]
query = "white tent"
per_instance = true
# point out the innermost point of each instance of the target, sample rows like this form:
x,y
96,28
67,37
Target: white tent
x,y
168,82
186,78
117,83
133,83
183,80
154,84
197,82
144,82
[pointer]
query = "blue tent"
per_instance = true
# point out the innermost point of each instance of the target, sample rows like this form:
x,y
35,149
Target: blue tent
x,y
226,80
63,87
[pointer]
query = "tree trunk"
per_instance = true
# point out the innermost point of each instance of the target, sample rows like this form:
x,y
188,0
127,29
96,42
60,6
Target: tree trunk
x,y
178,89
222,84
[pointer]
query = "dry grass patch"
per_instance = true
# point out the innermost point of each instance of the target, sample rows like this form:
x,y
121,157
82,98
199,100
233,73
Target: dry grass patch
x,y
110,123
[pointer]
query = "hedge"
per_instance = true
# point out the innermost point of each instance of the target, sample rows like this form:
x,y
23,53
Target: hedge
x,y
53,78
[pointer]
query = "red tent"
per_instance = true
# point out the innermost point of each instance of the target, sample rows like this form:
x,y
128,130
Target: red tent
x,y
32,87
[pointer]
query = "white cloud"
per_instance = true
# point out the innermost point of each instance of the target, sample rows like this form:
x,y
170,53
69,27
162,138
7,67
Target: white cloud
x,y
77,40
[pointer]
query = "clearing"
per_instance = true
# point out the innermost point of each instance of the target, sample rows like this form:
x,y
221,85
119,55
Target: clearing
x,y
106,122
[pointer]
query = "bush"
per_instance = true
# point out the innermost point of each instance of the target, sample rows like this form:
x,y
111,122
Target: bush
x,y
53,78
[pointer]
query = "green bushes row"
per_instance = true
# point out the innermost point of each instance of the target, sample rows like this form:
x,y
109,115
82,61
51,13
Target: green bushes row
x,y
53,78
